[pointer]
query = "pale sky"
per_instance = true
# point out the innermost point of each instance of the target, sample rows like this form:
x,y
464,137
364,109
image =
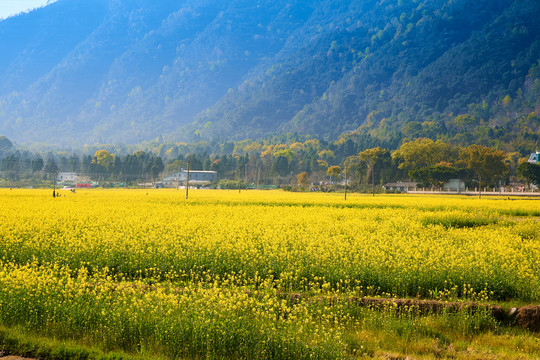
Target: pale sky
x,y
12,7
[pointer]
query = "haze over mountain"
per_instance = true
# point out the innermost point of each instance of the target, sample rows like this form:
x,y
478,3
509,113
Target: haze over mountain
x,y
86,71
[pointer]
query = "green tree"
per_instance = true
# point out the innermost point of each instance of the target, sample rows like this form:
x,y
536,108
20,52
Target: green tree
x,y
11,166
37,165
281,166
487,164
74,163
157,168
529,172
434,175
372,158
51,168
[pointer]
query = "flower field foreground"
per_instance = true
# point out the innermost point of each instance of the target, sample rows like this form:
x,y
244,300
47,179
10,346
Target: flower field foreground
x,y
266,274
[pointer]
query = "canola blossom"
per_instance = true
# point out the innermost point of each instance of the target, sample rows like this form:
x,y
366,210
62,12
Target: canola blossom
x,y
152,272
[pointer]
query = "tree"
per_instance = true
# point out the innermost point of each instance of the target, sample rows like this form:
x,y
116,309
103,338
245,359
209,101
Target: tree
x,y
103,163
74,163
487,164
351,165
529,172
157,168
281,166
333,171
51,168
118,167
11,165
434,175
86,163
422,153
37,165
373,157
441,173
302,178
421,176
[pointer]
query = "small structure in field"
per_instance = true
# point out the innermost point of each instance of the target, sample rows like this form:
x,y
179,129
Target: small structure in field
x,y
195,177
400,186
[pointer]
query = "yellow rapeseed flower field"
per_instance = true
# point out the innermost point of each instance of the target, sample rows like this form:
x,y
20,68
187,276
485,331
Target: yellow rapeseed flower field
x,y
228,274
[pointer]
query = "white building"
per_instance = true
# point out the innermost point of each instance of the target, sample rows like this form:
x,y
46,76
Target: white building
x,y
400,186
66,177
534,158
195,176
454,185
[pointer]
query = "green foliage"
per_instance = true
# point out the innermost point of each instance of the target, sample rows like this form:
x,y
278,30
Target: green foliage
x,y
424,152
463,72
334,171
529,172
486,163
434,175
13,341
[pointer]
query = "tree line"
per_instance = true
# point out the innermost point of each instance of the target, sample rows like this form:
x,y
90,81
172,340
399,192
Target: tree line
x,y
427,162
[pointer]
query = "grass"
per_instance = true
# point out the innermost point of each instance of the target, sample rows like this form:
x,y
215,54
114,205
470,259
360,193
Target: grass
x,y
14,341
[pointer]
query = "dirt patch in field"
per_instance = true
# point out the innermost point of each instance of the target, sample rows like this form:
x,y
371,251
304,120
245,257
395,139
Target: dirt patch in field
x,y
15,358
528,317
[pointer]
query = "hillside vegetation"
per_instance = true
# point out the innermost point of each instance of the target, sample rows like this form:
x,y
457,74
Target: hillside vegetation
x,y
81,71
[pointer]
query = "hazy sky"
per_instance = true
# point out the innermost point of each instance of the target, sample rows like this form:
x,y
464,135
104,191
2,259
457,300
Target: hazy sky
x,y
12,7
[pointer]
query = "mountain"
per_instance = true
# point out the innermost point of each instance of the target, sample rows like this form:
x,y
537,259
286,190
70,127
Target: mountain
x,y
99,71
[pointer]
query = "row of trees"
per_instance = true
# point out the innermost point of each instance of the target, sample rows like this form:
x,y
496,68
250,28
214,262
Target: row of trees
x,y
432,163
429,163
101,166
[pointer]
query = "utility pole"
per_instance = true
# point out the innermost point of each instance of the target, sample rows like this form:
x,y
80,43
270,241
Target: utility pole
x,y
54,186
187,181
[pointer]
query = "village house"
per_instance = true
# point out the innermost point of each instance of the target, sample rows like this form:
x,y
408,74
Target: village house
x,y
400,186
195,177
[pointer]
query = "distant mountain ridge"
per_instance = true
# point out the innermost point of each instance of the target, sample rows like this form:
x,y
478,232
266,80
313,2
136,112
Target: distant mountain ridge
x,y
125,71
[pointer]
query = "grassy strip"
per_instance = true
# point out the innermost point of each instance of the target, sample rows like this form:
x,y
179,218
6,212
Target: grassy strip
x,y
13,341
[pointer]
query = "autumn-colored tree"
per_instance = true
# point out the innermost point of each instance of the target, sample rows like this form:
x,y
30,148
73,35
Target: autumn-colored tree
x,y
104,159
326,155
333,171
422,153
102,163
286,153
323,165
465,121
302,178
487,164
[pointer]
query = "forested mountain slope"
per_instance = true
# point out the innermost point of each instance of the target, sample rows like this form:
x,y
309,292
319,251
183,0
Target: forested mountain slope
x,y
86,71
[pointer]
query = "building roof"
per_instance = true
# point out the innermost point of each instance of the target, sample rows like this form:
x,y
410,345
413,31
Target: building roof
x,y
401,184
